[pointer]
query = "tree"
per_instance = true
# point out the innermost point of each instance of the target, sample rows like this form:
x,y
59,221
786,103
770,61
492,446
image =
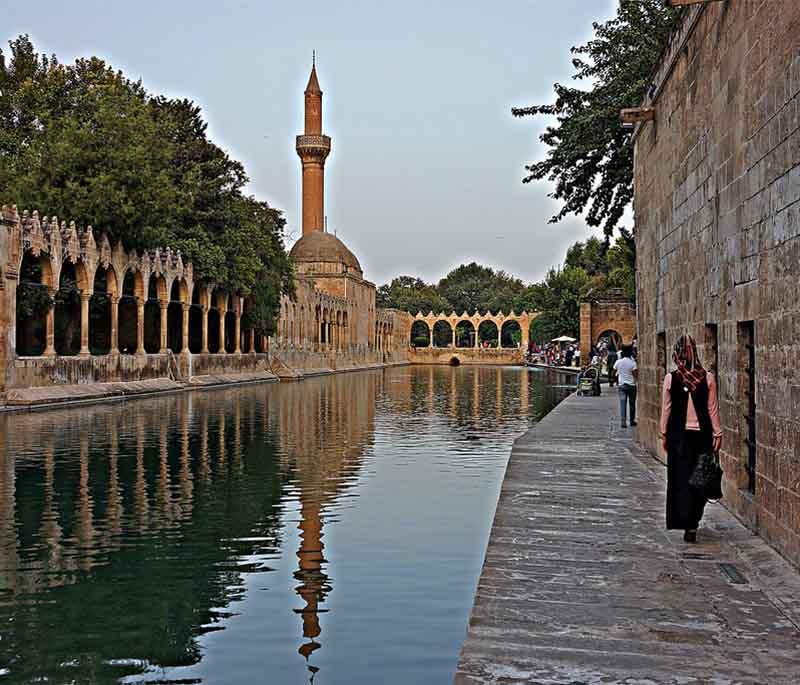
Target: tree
x,y
84,142
590,158
472,287
589,256
559,299
410,294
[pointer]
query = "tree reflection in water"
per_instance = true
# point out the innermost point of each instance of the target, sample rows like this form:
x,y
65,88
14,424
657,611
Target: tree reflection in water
x,y
130,533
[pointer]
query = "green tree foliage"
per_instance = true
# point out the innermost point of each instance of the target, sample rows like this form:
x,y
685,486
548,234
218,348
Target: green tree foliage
x,y
410,294
611,266
589,158
589,256
85,142
559,299
472,287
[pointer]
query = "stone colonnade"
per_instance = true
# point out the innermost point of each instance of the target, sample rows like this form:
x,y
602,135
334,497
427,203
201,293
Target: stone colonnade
x,y
63,261
472,324
317,320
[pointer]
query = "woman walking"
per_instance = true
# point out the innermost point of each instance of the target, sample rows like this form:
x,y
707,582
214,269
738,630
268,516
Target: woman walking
x,y
689,427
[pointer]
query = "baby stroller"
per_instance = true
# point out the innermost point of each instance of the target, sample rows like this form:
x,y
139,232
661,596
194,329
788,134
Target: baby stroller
x,y
589,383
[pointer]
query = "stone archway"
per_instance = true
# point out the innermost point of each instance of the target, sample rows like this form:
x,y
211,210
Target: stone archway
x,y
69,334
34,304
420,334
488,334
128,313
611,313
178,297
465,333
442,334
153,318
101,310
611,337
510,334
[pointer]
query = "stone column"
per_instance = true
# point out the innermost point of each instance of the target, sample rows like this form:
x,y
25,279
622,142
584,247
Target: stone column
x,y
163,305
222,313
139,326
430,331
477,337
185,329
251,335
50,336
114,347
238,334
454,336
524,340
204,348
85,297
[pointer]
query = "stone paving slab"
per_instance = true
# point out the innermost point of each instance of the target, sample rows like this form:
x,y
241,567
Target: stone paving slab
x,y
582,585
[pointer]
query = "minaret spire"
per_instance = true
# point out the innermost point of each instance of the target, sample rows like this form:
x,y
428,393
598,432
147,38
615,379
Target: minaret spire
x,y
313,149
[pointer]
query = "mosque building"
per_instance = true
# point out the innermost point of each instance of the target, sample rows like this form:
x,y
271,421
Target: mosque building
x,y
334,305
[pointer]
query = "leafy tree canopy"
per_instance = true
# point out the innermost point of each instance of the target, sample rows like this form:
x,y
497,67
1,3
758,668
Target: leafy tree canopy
x,y
84,142
472,287
411,294
590,159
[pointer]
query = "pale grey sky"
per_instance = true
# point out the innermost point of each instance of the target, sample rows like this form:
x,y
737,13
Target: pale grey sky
x,y
427,161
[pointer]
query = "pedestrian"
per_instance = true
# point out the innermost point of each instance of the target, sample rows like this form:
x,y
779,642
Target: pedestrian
x,y
627,373
611,359
690,426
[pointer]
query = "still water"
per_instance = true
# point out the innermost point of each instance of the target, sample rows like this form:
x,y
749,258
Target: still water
x,y
329,531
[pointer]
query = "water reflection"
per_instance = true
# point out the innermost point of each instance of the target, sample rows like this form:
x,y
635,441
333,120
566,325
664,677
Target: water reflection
x,y
183,538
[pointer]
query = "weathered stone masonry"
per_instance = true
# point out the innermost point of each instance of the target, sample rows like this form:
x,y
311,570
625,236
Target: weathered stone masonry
x,y
182,310
717,210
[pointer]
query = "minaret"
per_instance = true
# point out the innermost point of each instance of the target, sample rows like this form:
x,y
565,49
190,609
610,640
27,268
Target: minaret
x,y
313,149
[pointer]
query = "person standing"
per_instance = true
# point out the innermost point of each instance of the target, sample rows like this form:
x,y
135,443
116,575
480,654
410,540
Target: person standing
x,y
611,359
627,374
690,426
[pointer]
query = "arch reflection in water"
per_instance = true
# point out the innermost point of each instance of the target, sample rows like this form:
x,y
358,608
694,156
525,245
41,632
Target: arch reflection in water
x,y
189,537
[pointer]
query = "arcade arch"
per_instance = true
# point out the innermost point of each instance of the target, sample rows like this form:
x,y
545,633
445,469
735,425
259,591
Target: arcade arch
x,y
488,335
420,334
510,334
443,334
465,334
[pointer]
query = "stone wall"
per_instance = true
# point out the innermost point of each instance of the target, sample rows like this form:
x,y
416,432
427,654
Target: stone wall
x,y
717,211
466,355
296,361
36,372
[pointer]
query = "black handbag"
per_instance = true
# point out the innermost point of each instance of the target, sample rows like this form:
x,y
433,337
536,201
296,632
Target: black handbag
x,y
707,476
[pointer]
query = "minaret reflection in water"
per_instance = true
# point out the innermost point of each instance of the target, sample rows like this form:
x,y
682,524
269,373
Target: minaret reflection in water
x,y
326,425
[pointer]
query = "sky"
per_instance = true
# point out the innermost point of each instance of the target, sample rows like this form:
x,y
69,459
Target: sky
x,y
427,162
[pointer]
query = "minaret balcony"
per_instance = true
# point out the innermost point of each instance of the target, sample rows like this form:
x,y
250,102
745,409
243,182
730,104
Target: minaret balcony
x,y
313,146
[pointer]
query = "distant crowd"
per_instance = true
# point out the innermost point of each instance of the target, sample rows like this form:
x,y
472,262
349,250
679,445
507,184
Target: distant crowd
x,y
602,355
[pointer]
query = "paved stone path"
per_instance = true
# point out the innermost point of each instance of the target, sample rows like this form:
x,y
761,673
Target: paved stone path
x,y
583,585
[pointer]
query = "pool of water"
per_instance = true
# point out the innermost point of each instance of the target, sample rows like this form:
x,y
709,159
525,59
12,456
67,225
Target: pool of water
x,y
329,531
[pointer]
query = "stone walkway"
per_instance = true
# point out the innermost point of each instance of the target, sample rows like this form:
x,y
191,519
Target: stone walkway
x,y
583,585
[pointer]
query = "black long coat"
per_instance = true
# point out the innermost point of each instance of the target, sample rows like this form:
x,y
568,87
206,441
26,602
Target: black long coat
x,y
684,504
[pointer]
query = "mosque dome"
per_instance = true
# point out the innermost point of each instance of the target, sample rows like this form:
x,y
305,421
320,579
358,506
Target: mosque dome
x,y
320,247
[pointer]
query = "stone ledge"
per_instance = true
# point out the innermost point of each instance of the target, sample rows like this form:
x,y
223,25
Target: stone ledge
x,y
87,392
212,380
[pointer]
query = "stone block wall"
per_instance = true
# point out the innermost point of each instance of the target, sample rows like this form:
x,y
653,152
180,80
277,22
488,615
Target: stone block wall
x,y
717,213
467,355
